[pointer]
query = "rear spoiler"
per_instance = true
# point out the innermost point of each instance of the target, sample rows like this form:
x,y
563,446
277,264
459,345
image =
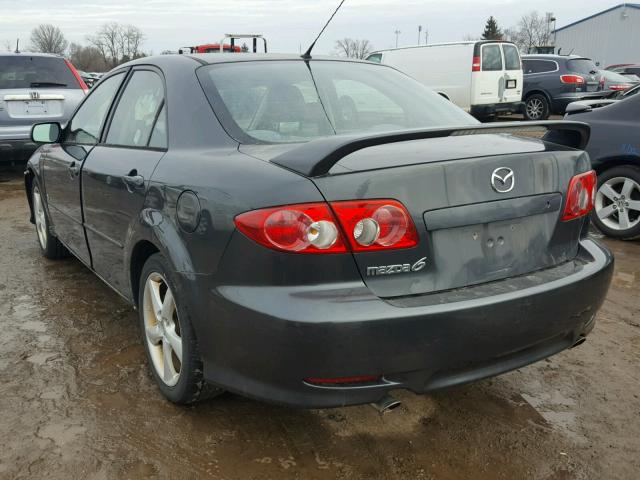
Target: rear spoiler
x,y
315,158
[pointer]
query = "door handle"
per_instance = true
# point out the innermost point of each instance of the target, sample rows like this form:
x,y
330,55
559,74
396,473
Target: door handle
x,y
74,169
133,179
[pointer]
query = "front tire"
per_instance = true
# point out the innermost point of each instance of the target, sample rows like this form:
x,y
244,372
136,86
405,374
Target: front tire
x,y
536,107
50,246
616,210
168,336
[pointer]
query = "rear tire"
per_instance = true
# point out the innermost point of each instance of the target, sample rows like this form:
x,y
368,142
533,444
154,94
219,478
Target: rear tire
x,y
616,210
50,246
168,336
536,107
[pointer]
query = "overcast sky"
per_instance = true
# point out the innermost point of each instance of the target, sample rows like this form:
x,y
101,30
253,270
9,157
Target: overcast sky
x,y
288,24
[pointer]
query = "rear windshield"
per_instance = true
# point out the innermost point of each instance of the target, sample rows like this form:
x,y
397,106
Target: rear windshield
x,y
290,101
23,71
582,65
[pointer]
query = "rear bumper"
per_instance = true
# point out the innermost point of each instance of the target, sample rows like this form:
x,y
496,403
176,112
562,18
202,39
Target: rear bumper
x,y
560,102
496,108
263,341
16,144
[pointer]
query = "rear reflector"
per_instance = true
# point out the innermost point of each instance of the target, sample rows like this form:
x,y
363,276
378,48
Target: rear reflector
x,y
337,227
572,79
580,196
343,380
475,66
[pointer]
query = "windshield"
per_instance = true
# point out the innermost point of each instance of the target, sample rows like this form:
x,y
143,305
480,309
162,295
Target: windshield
x,y
24,71
288,101
582,65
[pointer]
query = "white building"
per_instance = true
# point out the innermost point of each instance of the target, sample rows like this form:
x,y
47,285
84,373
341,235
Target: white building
x,y
608,37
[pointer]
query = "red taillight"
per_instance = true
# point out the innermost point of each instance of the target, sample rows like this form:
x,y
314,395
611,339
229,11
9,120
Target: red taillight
x,y
580,195
368,225
376,224
303,228
619,88
83,85
572,79
475,66
343,380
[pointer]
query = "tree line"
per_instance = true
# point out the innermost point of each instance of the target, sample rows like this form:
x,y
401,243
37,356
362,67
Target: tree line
x,y
111,45
533,30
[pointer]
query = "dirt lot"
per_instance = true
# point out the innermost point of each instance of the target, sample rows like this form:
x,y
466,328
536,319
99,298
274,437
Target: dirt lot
x,y
77,400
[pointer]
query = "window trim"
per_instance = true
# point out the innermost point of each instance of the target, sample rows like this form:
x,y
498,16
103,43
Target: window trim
x,y
116,102
109,110
540,60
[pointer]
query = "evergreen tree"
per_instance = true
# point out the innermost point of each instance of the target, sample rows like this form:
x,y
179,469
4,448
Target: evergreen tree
x,y
491,30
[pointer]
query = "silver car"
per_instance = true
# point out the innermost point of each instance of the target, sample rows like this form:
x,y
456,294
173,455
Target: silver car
x,y
34,88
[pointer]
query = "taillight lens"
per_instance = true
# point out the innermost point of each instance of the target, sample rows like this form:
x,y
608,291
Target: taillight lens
x,y
572,79
619,88
376,224
368,225
76,74
580,196
303,228
475,66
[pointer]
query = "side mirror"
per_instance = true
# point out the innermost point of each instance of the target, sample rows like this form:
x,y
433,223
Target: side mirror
x,y
577,107
46,132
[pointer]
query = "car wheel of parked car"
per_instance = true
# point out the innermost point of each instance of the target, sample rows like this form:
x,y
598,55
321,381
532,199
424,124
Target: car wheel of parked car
x,y
168,336
617,203
49,244
536,107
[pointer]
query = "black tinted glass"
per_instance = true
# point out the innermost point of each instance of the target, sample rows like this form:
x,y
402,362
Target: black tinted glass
x,y
35,72
582,65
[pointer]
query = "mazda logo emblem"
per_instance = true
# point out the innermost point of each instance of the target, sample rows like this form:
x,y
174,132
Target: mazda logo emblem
x,y
502,180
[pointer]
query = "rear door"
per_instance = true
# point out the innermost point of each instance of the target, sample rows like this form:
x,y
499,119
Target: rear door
x,y
488,83
35,89
513,77
116,175
63,163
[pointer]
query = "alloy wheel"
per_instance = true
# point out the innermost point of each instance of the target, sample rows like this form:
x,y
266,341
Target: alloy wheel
x,y
162,329
617,203
535,108
40,219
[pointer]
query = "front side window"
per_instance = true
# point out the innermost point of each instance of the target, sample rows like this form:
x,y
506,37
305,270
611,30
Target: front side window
x,y
137,110
86,124
491,58
290,101
511,57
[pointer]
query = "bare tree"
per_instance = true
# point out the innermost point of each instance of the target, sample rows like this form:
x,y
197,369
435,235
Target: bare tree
x,y
87,58
48,38
533,30
353,48
7,45
118,43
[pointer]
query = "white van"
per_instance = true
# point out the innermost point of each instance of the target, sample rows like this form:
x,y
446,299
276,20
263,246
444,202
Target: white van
x,y
482,77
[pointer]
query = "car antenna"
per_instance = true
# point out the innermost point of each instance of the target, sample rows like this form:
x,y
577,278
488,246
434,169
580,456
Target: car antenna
x,y
307,54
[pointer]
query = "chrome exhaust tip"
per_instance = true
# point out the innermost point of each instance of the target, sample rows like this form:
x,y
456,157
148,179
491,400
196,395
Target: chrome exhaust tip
x,y
386,404
579,342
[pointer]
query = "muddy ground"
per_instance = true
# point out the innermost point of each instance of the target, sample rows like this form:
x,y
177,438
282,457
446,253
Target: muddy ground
x,y
77,400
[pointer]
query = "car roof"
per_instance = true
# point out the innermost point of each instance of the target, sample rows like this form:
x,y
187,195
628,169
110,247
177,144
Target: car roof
x,y
214,58
29,54
551,56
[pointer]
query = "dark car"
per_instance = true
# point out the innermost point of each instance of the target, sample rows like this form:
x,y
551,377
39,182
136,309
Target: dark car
x,y
286,242
616,84
630,69
34,87
614,148
551,82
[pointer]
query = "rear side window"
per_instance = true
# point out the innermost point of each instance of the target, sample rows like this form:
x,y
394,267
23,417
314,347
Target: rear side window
x,y
137,110
538,66
85,126
582,65
376,58
511,57
491,58
24,71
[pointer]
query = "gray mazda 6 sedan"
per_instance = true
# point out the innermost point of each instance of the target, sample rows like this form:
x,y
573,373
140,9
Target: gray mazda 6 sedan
x,y
317,232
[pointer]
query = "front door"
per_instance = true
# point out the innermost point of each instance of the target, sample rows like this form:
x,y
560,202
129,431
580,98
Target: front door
x,y
63,163
116,175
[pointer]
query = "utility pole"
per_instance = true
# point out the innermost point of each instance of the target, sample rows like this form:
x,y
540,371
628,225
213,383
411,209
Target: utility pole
x,y
426,36
419,34
397,32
